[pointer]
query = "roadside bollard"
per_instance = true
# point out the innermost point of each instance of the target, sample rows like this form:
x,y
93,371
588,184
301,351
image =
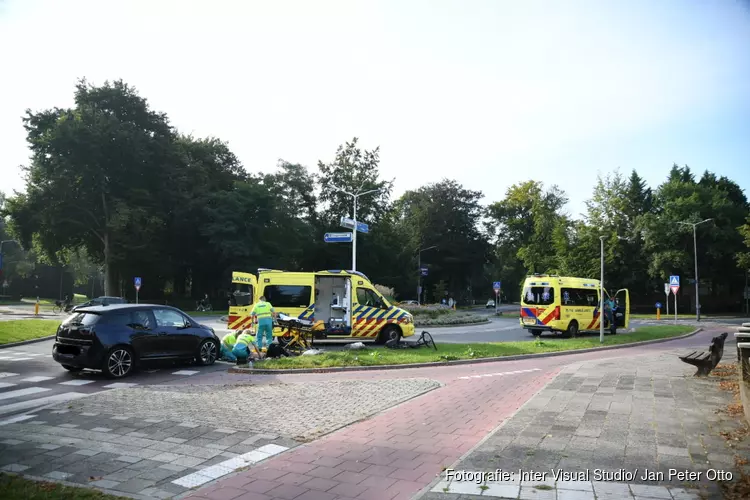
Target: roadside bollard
x,y
36,307
658,314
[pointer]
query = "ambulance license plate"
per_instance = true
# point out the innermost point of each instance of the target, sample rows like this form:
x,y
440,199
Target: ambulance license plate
x,y
529,321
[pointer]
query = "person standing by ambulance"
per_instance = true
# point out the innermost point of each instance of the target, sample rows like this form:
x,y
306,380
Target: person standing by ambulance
x,y
263,312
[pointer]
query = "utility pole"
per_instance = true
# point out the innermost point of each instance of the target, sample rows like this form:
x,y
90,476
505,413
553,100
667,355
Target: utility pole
x,y
695,253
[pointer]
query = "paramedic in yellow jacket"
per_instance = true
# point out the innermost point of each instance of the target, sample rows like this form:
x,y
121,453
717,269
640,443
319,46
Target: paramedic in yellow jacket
x,y
263,312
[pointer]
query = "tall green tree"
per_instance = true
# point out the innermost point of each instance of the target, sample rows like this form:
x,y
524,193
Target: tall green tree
x,y
528,225
91,177
446,215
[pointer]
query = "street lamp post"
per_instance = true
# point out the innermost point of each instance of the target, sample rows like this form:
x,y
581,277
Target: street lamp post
x,y
601,291
355,196
695,254
419,271
601,294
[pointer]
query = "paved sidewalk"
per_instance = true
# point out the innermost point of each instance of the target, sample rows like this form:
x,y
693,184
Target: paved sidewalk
x,y
393,455
633,427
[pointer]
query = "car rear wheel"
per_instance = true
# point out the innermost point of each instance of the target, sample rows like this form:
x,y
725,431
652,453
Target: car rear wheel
x,y
536,333
119,363
207,352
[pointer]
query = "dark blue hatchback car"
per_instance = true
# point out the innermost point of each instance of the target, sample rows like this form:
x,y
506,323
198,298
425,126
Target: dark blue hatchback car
x,y
117,338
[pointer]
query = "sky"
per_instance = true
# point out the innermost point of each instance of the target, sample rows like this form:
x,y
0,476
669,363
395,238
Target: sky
x,y
489,93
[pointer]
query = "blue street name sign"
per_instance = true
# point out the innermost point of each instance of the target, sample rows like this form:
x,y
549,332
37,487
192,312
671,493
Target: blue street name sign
x,y
137,283
658,305
349,224
497,285
337,237
423,271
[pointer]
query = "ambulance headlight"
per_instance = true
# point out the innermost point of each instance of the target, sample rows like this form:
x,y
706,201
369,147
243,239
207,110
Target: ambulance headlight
x,y
409,319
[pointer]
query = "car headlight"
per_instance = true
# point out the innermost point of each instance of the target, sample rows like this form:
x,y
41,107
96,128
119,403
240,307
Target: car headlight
x,y
409,319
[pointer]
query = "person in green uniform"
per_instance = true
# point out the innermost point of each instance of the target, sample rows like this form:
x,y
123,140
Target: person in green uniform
x,y
245,342
263,312
227,344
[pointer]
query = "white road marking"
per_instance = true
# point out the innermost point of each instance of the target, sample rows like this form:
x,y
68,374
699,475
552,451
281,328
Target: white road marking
x,y
17,359
119,385
185,372
8,374
22,392
36,379
17,418
78,382
228,466
35,403
499,374
3,385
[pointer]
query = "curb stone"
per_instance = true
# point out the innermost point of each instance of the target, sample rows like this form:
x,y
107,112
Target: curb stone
x,y
24,342
516,357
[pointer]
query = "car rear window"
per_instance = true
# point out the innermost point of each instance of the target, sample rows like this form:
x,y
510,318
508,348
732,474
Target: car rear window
x,y
82,318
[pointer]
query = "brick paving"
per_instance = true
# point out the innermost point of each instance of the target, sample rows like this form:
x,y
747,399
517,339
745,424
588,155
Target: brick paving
x,y
402,451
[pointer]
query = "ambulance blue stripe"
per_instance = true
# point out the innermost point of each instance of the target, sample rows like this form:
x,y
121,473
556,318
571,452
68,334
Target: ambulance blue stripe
x,y
374,313
394,313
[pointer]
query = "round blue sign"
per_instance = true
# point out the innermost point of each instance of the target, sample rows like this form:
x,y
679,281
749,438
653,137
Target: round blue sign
x,y
658,305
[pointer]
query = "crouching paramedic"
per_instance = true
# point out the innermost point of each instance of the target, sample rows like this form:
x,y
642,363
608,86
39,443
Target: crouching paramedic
x,y
242,347
263,312
227,344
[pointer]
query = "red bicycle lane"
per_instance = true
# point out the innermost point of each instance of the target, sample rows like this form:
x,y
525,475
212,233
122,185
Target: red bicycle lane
x,y
398,452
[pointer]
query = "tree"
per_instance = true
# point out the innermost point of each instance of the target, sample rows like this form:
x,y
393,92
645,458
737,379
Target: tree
x,y
670,245
91,178
528,226
446,215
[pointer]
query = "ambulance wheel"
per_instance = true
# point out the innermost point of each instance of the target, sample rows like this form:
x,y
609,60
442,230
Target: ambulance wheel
x,y
536,333
572,330
208,352
390,332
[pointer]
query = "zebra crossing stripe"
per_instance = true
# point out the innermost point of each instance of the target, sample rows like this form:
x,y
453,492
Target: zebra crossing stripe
x,y
23,392
4,385
77,382
38,402
8,374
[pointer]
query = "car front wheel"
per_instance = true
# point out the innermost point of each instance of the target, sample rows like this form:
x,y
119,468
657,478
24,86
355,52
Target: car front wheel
x,y
208,352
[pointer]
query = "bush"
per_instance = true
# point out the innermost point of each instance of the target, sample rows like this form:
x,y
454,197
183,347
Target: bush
x,y
388,293
430,311
448,319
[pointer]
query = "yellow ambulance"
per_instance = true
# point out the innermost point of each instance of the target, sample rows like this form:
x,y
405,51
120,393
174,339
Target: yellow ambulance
x,y
346,303
551,303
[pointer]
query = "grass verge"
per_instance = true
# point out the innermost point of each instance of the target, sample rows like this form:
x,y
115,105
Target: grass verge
x,y
665,317
450,352
26,329
16,487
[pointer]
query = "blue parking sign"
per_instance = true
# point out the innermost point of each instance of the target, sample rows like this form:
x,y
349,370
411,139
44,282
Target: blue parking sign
x,y
137,283
658,305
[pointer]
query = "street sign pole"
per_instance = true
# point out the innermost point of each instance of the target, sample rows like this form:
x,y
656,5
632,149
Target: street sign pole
x,y
666,293
674,285
137,282
497,294
497,286
354,237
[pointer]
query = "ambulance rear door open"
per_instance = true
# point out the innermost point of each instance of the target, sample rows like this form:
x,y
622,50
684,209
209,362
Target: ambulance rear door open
x,y
333,303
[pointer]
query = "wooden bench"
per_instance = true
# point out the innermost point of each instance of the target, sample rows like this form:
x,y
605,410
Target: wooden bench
x,y
706,361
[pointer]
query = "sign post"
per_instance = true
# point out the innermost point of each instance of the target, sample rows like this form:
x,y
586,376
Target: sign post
x,y
674,285
137,283
666,293
658,311
497,286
